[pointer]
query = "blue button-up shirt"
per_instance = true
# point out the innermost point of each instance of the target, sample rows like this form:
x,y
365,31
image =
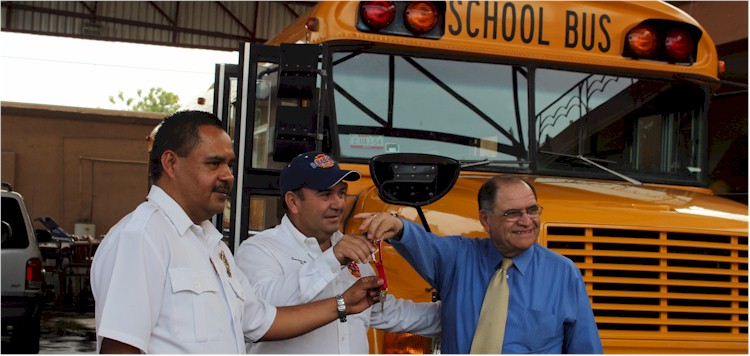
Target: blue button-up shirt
x,y
548,311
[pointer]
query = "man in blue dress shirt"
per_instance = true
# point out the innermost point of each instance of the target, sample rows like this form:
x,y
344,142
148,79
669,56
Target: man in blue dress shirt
x,y
548,310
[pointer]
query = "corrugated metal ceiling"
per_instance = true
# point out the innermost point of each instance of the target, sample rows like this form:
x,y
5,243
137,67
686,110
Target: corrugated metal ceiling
x,y
218,25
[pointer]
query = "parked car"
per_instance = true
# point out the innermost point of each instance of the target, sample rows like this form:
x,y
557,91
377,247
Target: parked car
x,y
22,277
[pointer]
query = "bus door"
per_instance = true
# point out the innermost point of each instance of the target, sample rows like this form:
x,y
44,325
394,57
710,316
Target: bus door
x,y
225,84
275,118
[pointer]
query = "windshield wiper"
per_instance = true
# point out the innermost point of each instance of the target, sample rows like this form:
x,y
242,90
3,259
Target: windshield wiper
x,y
597,165
468,164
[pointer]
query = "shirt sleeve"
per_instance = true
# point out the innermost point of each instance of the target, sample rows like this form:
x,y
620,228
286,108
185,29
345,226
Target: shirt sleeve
x,y
401,315
430,255
582,337
284,288
258,315
129,287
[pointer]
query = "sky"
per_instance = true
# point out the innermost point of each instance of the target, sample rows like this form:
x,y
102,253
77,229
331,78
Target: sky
x,y
85,73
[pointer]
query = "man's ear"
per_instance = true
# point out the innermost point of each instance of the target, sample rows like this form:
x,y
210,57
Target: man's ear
x,y
292,202
484,219
168,162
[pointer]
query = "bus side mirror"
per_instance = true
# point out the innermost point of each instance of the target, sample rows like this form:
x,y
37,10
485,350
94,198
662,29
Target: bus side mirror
x,y
295,132
296,119
298,71
413,179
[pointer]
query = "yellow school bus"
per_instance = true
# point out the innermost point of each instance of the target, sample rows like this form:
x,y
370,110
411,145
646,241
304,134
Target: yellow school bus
x,y
601,105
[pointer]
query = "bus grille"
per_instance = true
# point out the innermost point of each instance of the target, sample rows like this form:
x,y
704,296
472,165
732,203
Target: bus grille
x,y
660,281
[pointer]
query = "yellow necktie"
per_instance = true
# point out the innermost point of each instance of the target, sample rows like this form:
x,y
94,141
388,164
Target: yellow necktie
x,y
488,338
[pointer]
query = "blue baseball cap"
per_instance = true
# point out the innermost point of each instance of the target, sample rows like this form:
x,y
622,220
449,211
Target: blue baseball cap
x,y
315,170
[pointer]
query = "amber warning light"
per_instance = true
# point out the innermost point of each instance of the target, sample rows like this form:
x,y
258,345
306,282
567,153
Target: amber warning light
x,y
421,16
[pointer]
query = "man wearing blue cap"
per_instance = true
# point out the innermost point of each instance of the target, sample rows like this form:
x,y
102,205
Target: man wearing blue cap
x,y
307,258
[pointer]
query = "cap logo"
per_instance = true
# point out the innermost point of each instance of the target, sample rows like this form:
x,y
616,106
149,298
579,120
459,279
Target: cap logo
x,y
322,161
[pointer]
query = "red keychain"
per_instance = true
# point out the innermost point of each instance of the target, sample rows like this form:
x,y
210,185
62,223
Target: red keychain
x,y
381,273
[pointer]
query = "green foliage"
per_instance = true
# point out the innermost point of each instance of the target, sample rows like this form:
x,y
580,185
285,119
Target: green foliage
x,y
157,100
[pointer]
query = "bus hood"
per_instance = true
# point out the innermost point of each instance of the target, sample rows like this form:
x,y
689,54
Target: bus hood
x,y
580,202
646,206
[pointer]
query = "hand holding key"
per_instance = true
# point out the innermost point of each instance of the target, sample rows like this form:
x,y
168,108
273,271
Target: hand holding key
x,y
380,226
354,248
376,227
360,295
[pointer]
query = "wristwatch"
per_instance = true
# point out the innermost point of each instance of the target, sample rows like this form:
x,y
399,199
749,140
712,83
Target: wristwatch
x,y
341,307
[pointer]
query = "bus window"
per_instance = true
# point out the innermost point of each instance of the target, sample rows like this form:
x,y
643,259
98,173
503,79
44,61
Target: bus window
x,y
674,156
467,111
644,129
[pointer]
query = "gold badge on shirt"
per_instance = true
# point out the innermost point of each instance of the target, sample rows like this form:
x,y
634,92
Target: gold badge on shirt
x,y
226,263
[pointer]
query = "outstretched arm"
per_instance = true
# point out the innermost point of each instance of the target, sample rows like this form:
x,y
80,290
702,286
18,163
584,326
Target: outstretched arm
x,y
266,262
297,320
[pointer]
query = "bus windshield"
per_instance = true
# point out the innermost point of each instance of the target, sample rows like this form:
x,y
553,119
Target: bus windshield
x,y
519,118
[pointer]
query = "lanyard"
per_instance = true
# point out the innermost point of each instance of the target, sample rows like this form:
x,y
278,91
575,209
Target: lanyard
x,y
380,267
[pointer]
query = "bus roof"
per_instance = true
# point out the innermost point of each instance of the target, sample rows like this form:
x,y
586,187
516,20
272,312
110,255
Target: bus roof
x,y
591,34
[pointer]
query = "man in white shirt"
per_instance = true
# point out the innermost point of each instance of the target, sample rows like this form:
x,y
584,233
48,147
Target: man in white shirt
x,y
163,280
306,258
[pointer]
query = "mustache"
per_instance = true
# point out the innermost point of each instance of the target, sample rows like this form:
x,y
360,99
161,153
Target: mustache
x,y
222,188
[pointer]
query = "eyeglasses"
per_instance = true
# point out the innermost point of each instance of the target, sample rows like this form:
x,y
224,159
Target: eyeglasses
x,y
513,215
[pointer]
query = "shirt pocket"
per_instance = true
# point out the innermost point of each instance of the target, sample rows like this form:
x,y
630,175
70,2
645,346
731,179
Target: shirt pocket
x,y
542,332
197,306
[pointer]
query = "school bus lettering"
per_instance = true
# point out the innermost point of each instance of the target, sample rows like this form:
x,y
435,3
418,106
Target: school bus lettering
x,y
528,37
526,23
468,19
511,17
588,31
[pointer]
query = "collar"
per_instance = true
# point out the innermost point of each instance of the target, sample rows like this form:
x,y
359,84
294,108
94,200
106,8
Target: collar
x,y
178,217
523,260
493,257
298,236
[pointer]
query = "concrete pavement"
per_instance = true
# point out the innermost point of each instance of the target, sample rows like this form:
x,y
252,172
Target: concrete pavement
x,y
64,332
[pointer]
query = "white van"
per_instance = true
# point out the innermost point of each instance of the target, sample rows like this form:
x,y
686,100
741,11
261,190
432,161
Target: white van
x,y
22,277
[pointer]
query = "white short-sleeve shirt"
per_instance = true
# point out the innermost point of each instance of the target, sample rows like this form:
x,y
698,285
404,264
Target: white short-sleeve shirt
x,y
166,285
286,267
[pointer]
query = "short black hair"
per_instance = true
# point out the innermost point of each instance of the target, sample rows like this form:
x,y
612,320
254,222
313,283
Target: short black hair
x,y
488,191
179,133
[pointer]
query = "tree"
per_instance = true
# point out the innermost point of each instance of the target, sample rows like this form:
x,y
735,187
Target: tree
x,y
157,100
